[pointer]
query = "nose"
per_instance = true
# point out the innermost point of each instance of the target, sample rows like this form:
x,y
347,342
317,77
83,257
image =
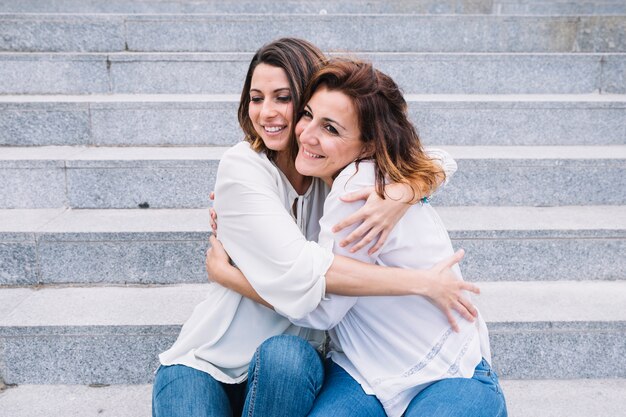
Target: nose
x,y
268,110
305,132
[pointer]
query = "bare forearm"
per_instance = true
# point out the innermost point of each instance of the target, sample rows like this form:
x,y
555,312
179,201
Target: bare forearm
x,y
233,279
350,277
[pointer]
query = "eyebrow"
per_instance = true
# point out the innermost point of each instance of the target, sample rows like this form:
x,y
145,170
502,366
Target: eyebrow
x,y
326,118
275,91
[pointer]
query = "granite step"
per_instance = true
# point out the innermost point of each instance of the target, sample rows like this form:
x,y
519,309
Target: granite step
x,y
60,246
223,73
496,7
345,32
112,335
211,119
182,177
525,398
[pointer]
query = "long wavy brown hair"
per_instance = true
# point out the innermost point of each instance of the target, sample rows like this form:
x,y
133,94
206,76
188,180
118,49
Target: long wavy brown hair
x,y
388,135
299,59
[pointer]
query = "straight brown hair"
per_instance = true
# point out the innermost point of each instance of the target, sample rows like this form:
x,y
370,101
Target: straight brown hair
x,y
299,59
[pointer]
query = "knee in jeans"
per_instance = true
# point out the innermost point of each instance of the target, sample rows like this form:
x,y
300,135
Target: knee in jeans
x,y
287,355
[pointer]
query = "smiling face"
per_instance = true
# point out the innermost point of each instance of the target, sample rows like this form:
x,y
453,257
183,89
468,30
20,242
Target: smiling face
x,y
271,106
328,134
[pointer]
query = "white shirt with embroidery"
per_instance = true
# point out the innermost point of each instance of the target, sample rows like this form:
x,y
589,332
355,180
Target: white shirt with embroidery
x,y
394,346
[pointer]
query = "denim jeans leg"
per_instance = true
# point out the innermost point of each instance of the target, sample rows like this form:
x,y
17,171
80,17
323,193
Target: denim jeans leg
x,y
181,391
342,396
284,378
479,396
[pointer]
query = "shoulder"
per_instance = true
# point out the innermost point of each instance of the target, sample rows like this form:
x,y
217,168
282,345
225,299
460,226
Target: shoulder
x,y
241,161
354,177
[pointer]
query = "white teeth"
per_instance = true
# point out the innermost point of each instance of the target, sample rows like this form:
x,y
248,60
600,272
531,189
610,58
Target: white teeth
x,y
273,129
312,155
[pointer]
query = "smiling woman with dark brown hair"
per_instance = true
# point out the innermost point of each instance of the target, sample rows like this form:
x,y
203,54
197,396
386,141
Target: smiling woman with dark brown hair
x,y
394,356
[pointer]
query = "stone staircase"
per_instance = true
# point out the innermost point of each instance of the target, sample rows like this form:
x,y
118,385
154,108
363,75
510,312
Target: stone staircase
x,y
114,115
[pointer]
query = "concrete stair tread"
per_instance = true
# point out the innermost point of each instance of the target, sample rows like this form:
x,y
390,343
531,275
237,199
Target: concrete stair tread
x,y
537,330
525,398
224,72
353,32
506,305
147,153
592,99
182,176
211,119
457,219
317,6
503,7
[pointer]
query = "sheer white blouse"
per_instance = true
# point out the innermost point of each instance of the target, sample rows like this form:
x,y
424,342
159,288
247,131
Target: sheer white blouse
x,y
271,234
394,346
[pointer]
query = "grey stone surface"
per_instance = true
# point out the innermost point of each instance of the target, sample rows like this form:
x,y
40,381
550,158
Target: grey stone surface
x,y
519,123
246,6
559,7
93,355
53,74
77,401
542,259
44,124
504,7
32,187
179,73
138,261
210,73
538,305
377,32
524,398
42,33
540,182
133,187
9,300
614,75
184,120
574,398
97,308
18,263
559,353
110,335
182,177
167,246
356,32
166,124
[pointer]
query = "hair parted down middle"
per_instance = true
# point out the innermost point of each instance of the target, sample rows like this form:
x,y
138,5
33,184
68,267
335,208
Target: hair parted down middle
x,y
299,59
389,136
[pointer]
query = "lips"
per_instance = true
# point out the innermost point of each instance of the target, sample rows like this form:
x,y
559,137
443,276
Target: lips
x,y
273,129
311,154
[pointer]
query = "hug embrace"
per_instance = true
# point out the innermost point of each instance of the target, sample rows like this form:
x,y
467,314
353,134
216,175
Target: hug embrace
x,y
308,322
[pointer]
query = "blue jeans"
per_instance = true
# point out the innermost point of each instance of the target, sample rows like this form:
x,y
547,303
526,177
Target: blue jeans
x,y
479,396
284,377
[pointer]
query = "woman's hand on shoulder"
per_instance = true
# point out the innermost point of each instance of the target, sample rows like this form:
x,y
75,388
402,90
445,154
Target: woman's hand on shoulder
x,y
378,217
446,290
213,215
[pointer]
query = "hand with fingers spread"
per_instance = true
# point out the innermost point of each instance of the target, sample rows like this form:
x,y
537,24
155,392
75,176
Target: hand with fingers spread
x,y
378,217
446,291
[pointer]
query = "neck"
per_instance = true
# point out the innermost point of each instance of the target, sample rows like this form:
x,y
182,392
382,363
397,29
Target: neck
x,y
286,164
